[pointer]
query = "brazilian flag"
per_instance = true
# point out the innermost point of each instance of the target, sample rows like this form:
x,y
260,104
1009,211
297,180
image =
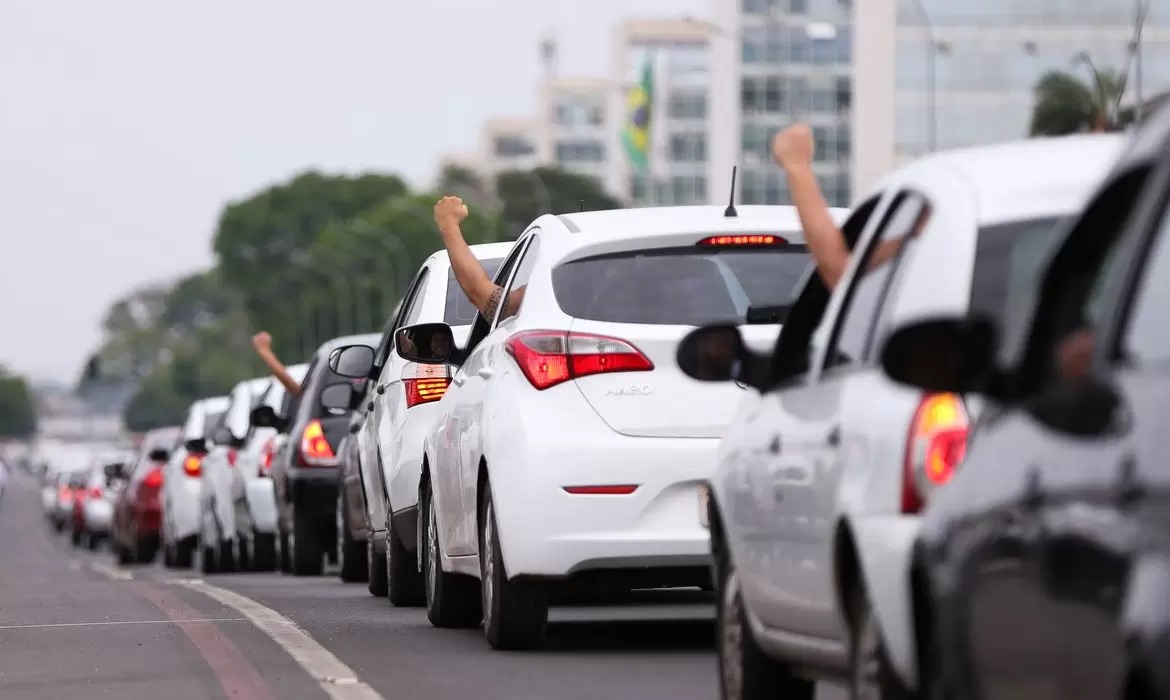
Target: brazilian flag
x,y
636,135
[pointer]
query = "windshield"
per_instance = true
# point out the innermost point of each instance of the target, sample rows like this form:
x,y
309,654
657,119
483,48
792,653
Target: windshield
x,y
679,286
1007,260
459,311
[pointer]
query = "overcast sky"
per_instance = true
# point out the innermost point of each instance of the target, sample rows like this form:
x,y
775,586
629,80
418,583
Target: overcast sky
x,y
126,124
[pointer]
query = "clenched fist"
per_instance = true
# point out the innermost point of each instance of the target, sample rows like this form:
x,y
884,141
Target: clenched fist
x,y
262,341
450,210
794,147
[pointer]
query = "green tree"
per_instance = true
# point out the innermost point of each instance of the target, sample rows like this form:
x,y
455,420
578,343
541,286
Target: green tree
x,y
525,195
466,183
18,413
1065,104
262,241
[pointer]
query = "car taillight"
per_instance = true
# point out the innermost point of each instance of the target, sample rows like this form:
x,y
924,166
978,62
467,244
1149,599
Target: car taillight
x,y
548,358
94,492
315,448
424,383
232,456
935,447
267,453
153,479
193,465
754,240
65,493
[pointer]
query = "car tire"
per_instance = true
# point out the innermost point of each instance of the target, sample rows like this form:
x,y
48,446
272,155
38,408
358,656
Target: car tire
x,y
208,561
453,601
168,555
93,541
746,672
123,554
144,551
376,581
285,559
405,581
243,553
351,553
75,537
308,557
263,551
184,552
515,613
871,677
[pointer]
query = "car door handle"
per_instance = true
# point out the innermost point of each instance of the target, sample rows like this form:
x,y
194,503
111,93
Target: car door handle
x,y
834,437
485,372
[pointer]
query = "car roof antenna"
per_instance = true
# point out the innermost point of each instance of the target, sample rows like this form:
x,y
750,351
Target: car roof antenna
x,y
730,210
580,205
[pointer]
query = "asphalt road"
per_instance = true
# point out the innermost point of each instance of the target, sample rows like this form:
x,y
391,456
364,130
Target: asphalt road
x,y
74,625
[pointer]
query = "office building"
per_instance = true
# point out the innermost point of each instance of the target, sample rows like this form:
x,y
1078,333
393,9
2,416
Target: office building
x,y
574,125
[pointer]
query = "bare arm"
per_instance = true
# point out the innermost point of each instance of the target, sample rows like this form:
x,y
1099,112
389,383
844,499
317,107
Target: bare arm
x,y
263,344
481,291
825,240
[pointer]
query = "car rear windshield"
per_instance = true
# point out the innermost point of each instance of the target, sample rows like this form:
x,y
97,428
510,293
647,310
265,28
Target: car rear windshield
x,y
459,311
1007,260
679,286
213,421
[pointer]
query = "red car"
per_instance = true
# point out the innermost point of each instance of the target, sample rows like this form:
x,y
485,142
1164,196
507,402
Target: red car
x,y
136,528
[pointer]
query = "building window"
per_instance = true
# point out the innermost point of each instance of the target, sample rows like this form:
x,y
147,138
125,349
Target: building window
x,y
798,7
752,97
751,188
513,146
688,106
577,111
688,148
688,189
638,187
580,152
773,95
844,92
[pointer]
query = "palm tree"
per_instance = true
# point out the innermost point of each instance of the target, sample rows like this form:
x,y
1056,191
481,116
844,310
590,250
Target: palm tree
x,y
1064,104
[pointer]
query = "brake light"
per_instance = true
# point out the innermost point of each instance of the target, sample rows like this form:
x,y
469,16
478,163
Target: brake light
x,y
95,492
232,456
424,383
65,493
266,454
193,465
548,358
935,447
752,240
315,448
153,479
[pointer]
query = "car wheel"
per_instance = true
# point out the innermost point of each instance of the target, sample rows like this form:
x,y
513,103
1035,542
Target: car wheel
x,y
185,552
351,555
870,675
207,560
263,551
515,613
144,551
243,553
405,582
75,537
123,554
452,600
93,541
285,551
746,672
308,556
168,555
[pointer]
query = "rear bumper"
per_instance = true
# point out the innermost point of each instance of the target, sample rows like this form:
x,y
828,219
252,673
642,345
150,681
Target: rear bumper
x,y
98,515
314,487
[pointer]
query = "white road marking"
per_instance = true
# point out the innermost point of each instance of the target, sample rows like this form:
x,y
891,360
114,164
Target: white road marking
x,y
119,622
338,681
110,572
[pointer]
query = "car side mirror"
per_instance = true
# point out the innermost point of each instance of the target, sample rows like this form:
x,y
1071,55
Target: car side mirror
x,y
717,353
263,417
196,445
159,455
352,361
338,396
955,355
429,343
115,471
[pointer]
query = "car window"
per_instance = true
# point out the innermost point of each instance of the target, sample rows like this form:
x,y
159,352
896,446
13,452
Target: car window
x,y
1145,340
852,334
412,309
458,310
481,326
292,402
239,411
520,279
1008,258
689,286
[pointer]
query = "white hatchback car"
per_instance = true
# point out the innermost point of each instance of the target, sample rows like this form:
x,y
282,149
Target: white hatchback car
x,y
570,449
401,411
181,476
817,493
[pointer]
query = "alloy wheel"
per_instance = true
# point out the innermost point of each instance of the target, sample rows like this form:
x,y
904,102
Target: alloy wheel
x,y
866,665
731,641
487,563
432,550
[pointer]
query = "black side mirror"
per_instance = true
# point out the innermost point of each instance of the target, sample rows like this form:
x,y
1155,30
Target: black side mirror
x,y
429,343
955,355
196,445
159,455
352,361
717,353
263,417
338,396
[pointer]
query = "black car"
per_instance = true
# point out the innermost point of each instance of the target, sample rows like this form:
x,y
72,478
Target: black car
x,y
306,470
1043,567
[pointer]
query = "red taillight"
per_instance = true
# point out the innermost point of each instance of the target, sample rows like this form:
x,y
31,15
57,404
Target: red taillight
x,y
232,456
548,358
935,447
94,492
425,390
315,448
266,455
608,490
65,493
153,479
193,465
742,241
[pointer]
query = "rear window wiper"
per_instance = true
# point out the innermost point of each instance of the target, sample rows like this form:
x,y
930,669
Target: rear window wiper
x,y
767,314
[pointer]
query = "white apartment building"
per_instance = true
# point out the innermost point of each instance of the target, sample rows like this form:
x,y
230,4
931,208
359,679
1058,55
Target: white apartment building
x,y
680,166
574,125
952,73
777,62
506,144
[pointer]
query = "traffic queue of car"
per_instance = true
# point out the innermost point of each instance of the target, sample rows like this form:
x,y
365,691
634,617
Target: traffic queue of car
x,y
929,473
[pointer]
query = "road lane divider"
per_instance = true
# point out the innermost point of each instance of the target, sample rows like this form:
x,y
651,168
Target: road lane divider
x,y
339,681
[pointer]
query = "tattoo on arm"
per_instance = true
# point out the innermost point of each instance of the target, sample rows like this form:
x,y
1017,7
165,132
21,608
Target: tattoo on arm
x,y
493,303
